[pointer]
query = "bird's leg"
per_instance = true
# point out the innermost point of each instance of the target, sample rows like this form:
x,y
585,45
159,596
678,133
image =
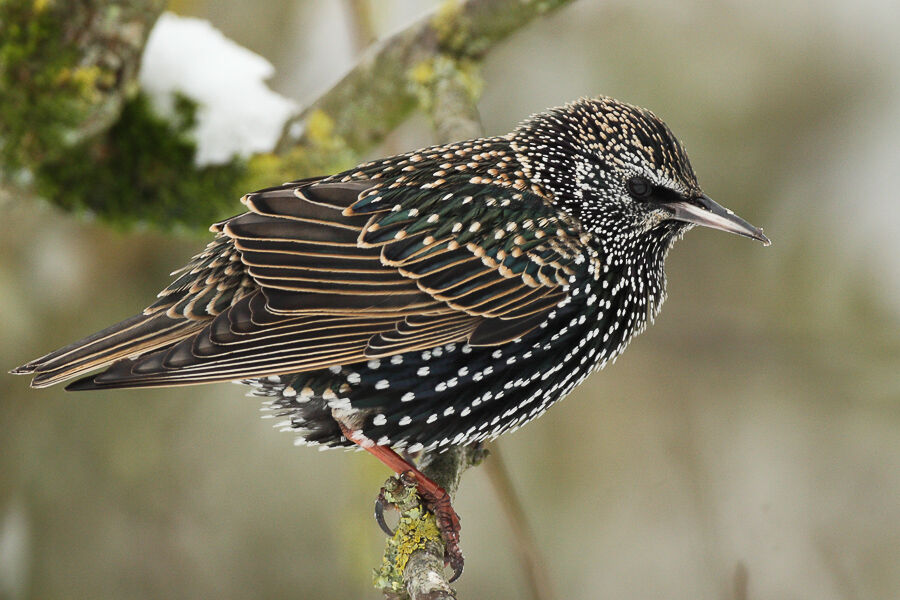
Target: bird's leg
x,y
435,498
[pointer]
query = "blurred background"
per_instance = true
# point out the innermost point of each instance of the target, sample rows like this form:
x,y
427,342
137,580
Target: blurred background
x,y
746,446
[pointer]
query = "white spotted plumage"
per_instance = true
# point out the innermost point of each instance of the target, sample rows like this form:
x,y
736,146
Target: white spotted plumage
x,y
576,158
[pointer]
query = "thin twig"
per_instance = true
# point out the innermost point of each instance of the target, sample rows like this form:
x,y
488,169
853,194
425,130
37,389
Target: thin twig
x,y
740,583
530,557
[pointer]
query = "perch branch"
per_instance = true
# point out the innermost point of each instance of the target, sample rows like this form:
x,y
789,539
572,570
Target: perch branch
x,y
413,564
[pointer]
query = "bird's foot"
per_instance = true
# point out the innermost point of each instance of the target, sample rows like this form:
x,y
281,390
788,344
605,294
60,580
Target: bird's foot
x,y
412,488
437,500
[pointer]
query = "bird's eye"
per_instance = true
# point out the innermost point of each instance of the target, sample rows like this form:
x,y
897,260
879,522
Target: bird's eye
x,y
639,188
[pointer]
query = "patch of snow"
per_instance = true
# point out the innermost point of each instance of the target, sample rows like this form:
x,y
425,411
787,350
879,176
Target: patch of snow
x,y
238,113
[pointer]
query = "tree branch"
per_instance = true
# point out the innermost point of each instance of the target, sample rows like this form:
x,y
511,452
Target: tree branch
x,y
413,564
384,88
108,168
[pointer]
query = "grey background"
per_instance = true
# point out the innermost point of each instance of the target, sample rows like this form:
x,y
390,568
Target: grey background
x,y
754,429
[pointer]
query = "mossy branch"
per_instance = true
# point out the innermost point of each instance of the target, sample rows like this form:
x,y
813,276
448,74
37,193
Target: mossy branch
x,y
66,71
383,89
75,130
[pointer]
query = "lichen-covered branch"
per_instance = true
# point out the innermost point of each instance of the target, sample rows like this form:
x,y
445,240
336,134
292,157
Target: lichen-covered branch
x,y
382,90
413,563
74,129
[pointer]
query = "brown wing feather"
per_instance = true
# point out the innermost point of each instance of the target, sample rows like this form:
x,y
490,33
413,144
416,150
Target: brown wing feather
x,y
309,278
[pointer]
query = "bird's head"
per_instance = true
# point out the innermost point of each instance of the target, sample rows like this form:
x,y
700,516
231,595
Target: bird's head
x,y
619,169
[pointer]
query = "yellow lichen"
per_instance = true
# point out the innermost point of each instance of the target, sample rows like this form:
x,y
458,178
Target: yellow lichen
x,y
415,529
445,21
423,72
414,536
425,76
469,75
86,80
320,128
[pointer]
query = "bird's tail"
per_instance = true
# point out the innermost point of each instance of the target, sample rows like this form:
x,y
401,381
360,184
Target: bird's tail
x,y
133,336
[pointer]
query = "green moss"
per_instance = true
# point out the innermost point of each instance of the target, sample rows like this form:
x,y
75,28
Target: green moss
x,y
142,171
423,73
44,97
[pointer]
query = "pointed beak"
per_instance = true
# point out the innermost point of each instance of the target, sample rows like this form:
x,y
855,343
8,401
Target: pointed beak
x,y
704,211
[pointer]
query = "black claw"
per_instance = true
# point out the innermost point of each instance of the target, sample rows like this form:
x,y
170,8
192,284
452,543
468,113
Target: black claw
x,y
379,516
454,558
457,571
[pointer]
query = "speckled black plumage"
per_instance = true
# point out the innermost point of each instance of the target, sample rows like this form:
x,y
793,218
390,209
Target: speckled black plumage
x,y
440,297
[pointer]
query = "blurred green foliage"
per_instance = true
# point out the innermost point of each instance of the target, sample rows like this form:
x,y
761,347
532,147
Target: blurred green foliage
x,y
46,94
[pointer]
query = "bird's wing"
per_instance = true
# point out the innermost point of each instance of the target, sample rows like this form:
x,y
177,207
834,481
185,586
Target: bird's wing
x,y
213,281
494,252
343,272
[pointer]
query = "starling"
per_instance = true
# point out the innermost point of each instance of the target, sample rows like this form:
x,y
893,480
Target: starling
x,y
439,297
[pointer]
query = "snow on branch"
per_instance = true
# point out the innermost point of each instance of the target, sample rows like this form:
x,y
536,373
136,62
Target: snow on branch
x,y
237,113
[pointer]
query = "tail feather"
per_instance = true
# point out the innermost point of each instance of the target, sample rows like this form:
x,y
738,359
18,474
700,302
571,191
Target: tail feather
x,y
79,346
133,336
